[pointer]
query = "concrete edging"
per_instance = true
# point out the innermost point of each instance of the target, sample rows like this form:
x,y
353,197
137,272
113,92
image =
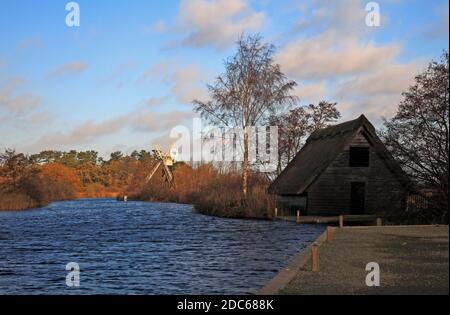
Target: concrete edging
x,y
282,278
393,226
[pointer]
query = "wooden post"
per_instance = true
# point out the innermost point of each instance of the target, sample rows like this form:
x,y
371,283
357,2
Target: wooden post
x,y
329,233
379,221
276,212
315,258
341,221
298,216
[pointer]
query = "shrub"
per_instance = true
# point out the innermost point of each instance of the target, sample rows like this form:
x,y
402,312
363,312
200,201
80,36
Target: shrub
x,y
211,192
39,186
16,201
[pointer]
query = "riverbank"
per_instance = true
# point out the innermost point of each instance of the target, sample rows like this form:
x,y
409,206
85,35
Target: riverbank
x,y
210,191
17,201
412,260
22,201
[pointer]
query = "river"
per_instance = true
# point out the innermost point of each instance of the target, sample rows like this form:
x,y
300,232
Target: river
x,y
142,248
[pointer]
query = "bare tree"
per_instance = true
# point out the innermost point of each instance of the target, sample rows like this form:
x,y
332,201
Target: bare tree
x,y
251,90
418,135
295,125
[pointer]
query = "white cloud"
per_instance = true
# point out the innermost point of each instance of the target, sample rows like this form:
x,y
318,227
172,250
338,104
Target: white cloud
x,y
75,67
41,117
328,55
389,80
87,132
189,84
374,108
216,22
15,101
186,82
377,93
311,92
155,101
83,133
336,57
343,16
21,109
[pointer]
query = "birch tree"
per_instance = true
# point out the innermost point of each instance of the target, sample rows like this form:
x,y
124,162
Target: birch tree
x,y
251,89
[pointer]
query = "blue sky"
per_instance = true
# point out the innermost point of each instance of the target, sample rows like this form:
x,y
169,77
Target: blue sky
x,y
126,76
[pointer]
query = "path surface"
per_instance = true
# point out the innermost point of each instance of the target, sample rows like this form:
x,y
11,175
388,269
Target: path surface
x,y
413,260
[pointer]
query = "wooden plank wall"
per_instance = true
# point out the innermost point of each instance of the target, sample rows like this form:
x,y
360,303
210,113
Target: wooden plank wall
x,y
288,205
330,193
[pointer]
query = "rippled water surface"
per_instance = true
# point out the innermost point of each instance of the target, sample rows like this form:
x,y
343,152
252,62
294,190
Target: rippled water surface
x,y
141,248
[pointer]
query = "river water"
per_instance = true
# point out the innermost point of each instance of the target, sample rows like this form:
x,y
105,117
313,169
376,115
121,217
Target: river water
x,y
141,248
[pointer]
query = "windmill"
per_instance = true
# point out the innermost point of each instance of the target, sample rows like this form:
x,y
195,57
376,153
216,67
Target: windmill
x,y
166,161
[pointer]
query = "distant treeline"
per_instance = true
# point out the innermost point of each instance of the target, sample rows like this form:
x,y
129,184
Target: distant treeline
x,y
35,180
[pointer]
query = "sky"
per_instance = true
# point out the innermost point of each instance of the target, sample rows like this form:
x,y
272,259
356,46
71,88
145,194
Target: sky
x,y
129,72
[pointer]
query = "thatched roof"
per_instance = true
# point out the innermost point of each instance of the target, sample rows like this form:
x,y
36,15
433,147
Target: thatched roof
x,y
321,148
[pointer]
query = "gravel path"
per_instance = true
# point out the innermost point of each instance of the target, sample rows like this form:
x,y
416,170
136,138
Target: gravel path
x,y
412,260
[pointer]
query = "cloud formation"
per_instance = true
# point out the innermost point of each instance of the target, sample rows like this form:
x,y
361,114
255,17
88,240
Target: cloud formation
x,y
343,16
328,56
155,101
387,80
216,23
361,75
70,68
325,46
87,132
20,108
83,133
30,42
14,100
310,92
186,82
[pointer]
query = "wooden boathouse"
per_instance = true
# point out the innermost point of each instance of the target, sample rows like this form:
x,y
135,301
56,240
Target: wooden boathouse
x,y
343,169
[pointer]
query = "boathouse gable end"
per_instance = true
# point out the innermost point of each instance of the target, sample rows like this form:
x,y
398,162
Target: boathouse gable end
x,y
343,169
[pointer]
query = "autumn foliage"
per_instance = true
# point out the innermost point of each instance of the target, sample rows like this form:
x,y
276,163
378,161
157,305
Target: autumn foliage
x,y
33,181
62,176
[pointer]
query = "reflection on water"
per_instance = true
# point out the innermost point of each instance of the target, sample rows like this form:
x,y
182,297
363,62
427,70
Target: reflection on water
x,y
141,248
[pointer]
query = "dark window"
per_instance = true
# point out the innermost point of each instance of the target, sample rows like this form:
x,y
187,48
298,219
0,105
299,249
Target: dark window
x,y
359,156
